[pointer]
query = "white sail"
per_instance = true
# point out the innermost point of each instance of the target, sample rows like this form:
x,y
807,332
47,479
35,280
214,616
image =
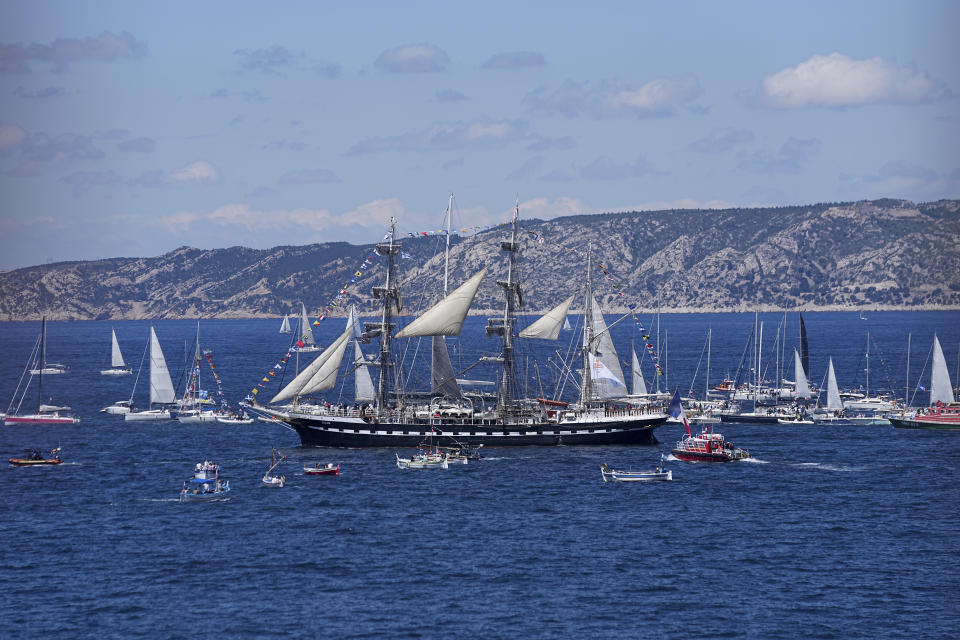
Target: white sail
x,y
285,325
303,383
326,376
161,386
364,383
306,332
833,393
353,321
803,388
446,317
639,385
548,327
940,389
607,354
116,358
600,372
443,381
566,324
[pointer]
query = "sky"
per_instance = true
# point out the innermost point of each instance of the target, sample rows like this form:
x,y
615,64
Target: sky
x,y
131,128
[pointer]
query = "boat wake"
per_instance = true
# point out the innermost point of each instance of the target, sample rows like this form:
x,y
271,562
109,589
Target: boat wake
x,y
826,467
754,461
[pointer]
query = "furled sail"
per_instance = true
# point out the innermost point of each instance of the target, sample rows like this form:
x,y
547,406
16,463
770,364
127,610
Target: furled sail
x,y
353,321
443,380
803,388
639,385
548,327
940,390
446,317
606,353
833,393
306,331
304,383
364,383
116,358
161,386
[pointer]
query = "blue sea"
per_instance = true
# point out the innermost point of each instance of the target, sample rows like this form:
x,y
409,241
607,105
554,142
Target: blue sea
x,y
829,532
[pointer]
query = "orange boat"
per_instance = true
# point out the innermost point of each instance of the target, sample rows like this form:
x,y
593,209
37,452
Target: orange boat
x,y
35,459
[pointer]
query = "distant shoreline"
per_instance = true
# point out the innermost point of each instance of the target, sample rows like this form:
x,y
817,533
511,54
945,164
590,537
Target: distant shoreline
x,y
497,312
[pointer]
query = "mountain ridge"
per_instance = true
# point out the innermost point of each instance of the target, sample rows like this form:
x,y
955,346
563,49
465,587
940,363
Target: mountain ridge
x,y
879,254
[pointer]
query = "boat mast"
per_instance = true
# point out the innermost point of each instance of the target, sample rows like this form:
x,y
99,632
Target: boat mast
x,y
706,386
43,357
504,326
446,253
906,392
867,356
587,385
388,294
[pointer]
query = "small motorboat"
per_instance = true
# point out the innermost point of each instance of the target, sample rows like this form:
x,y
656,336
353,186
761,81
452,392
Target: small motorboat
x,y
326,469
707,446
796,420
35,459
205,485
614,475
269,479
425,458
235,418
119,407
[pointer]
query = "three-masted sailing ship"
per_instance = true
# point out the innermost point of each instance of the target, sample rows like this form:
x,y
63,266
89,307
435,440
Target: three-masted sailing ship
x,y
390,421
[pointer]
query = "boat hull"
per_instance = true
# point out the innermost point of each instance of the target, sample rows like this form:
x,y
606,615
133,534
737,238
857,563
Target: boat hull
x,y
331,432
23,462
702,456
116,372
146,416
744,418
40,419
906,423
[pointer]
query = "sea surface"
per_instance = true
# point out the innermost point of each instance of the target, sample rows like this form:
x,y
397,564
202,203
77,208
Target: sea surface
x,y
829,532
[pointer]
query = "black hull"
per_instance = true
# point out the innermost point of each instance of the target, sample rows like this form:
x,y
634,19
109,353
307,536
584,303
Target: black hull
x,y
902,423
745,419
321,432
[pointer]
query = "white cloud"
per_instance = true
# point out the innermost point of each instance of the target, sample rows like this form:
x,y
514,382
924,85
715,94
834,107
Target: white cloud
x,y
837,80
373,215
720,140
412,58
106,47
200,172
659,97
11,136
448,137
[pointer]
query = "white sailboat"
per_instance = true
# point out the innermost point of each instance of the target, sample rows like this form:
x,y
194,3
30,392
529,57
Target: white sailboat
x,y
285,325
802,386
45,413
874,404
940,387
194,399
117,366
161,386
306,333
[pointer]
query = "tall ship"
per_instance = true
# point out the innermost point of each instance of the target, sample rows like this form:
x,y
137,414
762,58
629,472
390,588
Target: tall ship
x,y
450,417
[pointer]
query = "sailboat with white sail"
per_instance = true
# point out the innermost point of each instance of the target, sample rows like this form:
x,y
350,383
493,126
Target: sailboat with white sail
x,y
195,405
306,343
117,366
943,411
865,402
162,394
832,410
514,420
45,413
285,325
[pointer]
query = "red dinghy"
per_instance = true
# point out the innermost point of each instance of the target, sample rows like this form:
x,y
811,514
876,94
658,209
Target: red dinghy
x,y
328,469
36,459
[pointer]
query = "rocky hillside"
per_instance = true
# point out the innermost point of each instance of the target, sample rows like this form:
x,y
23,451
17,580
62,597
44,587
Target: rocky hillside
x,y
879,254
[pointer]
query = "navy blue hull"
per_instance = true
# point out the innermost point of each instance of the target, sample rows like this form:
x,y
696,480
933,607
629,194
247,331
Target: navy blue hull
x,y
318,432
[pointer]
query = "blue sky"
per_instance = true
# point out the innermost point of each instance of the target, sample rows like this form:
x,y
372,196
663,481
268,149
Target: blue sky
x,y
128,129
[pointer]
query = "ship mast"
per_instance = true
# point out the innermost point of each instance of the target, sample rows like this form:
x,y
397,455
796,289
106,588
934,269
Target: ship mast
x,y
504,326
387,294
586,389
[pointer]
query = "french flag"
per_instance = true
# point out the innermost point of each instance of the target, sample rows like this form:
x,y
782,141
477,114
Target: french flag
x,y
676,410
